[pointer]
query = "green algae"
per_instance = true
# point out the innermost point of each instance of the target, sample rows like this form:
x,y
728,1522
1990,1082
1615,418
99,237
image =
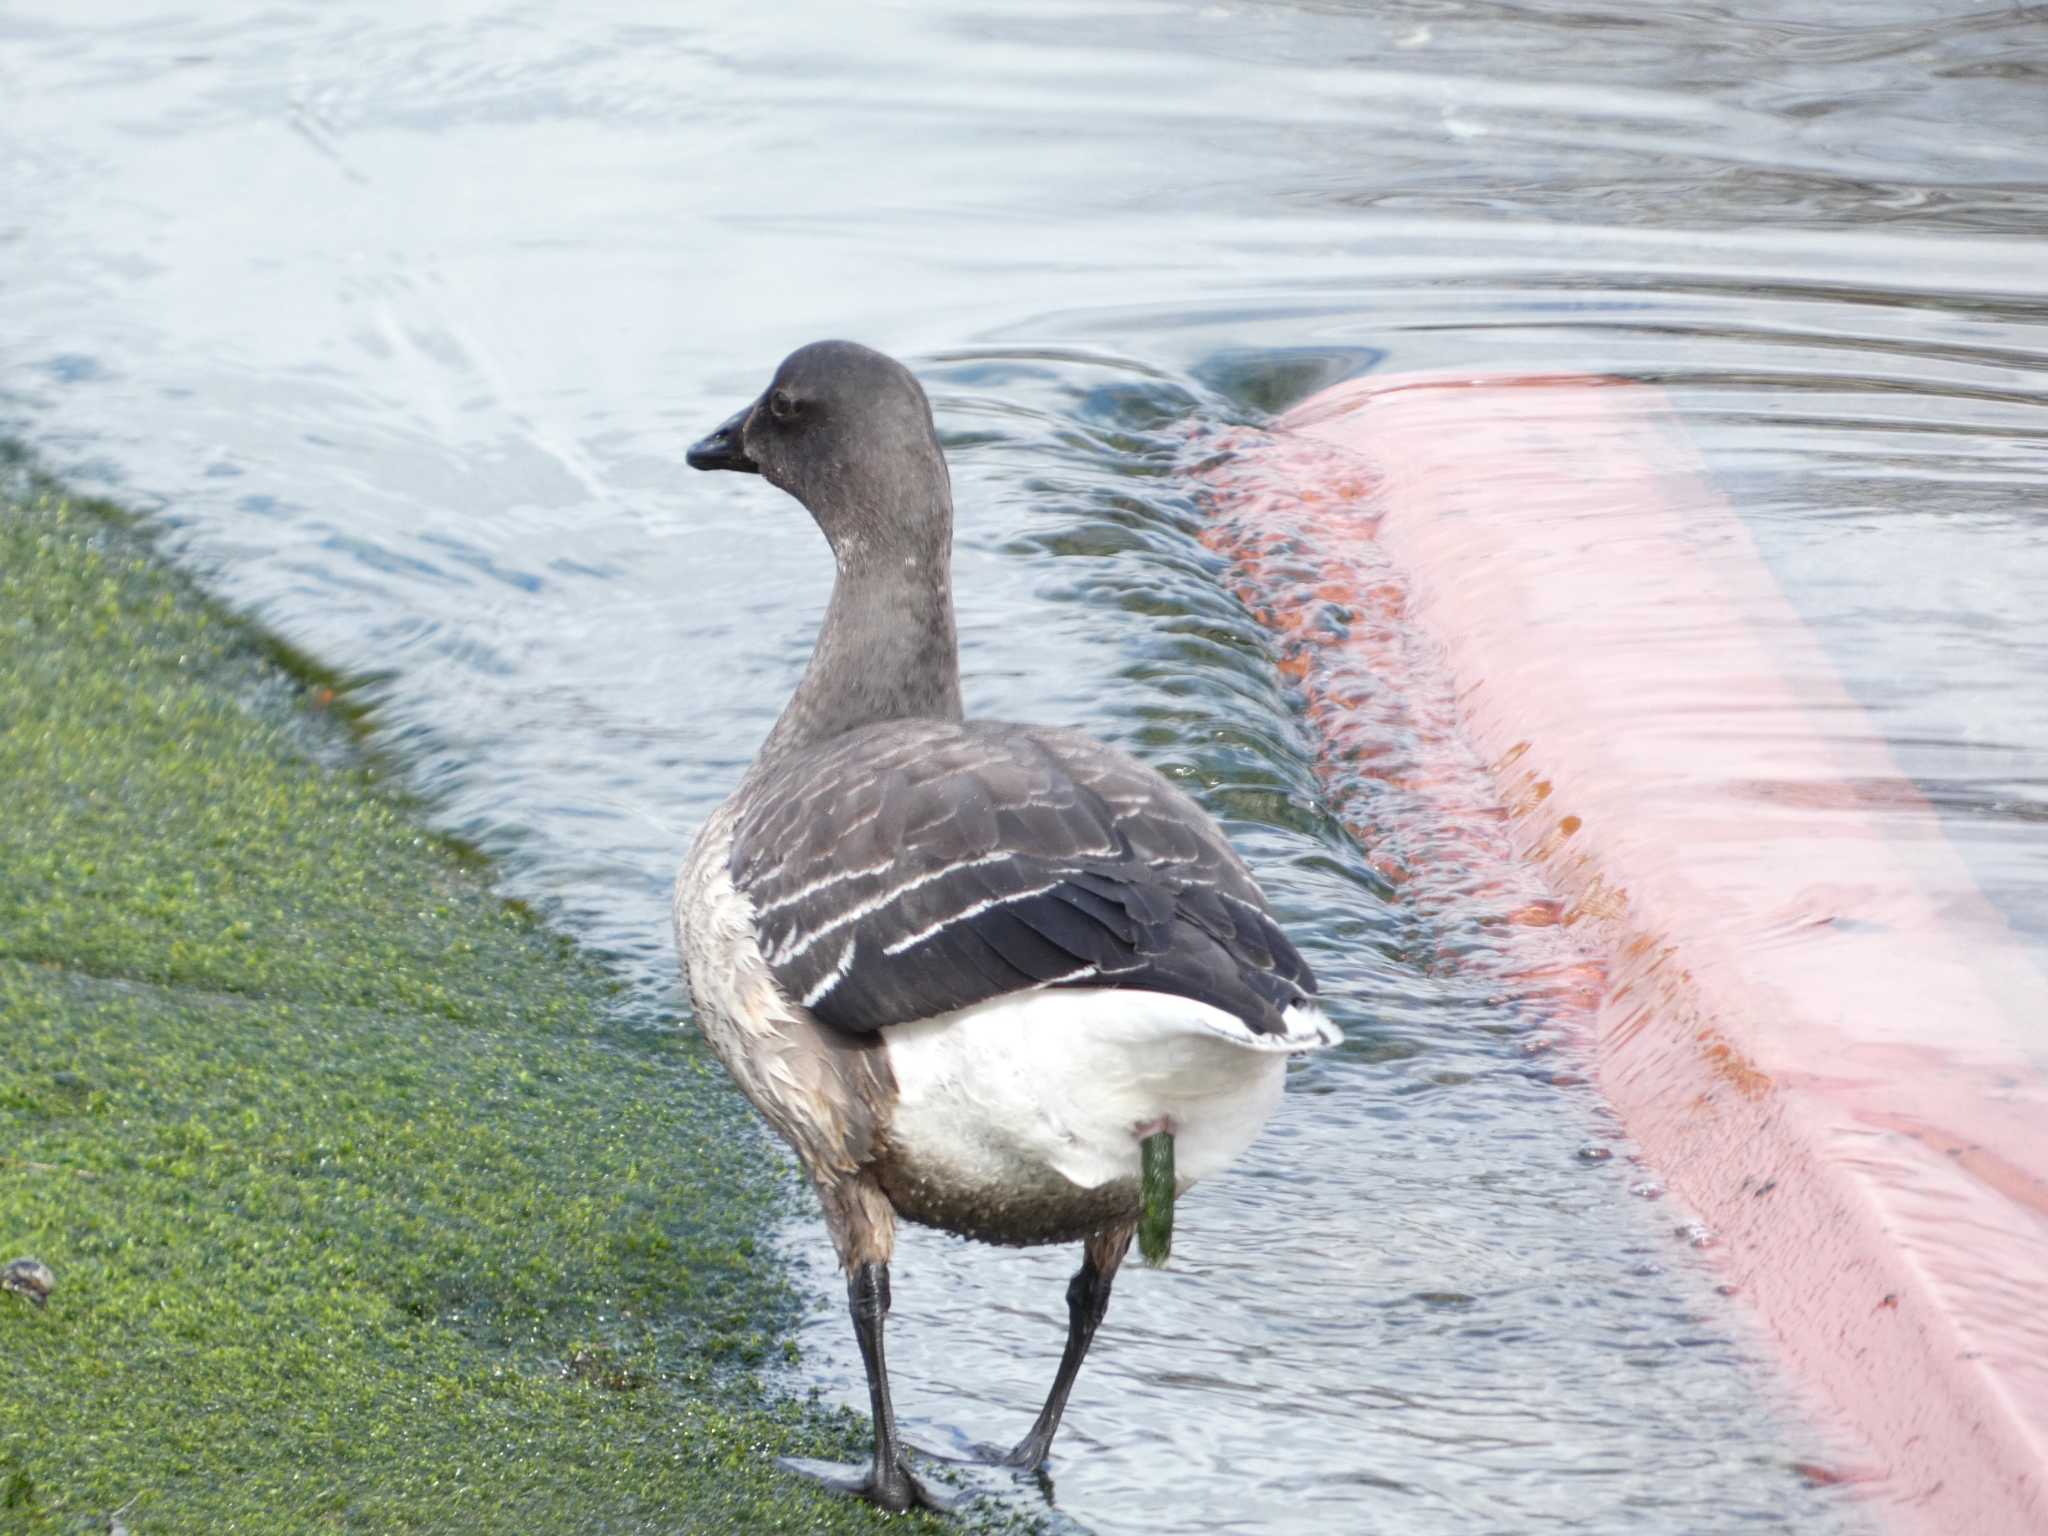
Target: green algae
x,y
1156,1194
370,1207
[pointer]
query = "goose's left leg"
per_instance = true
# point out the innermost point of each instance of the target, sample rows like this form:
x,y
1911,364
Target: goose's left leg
x,y
1087,1301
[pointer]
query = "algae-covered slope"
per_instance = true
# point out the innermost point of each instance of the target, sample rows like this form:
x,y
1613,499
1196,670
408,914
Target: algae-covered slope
x,y
368,1207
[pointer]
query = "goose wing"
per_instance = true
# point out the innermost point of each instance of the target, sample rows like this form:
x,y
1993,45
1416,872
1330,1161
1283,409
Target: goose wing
x,y
911,868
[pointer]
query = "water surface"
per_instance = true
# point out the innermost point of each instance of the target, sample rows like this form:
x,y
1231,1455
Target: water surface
x,y
402,321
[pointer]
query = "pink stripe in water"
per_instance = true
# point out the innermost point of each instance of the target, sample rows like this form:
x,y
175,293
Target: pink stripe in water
x,y
1520,604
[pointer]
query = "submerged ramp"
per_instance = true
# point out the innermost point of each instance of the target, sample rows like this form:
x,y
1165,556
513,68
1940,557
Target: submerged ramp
x,y
1706,860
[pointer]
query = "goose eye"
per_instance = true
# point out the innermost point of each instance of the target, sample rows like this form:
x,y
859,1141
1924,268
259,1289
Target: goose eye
x,y
780,406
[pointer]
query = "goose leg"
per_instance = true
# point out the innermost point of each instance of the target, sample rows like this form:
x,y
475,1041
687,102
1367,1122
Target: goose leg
x,y
1087,1301
888,1481
863,1228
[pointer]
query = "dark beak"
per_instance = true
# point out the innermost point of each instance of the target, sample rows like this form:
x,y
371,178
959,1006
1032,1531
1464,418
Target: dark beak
x,y
725,448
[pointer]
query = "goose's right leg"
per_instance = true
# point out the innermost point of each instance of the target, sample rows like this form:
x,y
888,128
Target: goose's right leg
x,y
1087,1301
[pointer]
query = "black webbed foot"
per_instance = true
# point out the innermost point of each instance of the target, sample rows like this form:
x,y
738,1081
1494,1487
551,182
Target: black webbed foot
x,y
895,1488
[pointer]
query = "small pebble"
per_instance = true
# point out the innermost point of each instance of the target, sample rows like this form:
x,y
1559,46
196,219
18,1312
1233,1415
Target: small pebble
x,y
30,1278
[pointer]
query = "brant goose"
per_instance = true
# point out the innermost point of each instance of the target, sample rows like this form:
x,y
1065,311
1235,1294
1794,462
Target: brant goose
x,y
998,979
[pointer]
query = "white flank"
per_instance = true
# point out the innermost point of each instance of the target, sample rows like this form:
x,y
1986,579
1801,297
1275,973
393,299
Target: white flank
x,y
1066,1080
1308,1028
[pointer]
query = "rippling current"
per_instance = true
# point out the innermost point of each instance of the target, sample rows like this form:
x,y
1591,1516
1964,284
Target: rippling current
x,y
402,318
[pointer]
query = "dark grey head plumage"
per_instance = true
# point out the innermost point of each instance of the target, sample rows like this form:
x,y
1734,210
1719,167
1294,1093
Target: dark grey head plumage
x,y
848,432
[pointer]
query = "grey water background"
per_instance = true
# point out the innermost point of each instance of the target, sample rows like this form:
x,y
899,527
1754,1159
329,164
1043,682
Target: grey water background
x,y
400,316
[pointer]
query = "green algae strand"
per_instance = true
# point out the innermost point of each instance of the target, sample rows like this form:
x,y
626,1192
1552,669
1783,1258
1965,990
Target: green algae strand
x,y
1155,1199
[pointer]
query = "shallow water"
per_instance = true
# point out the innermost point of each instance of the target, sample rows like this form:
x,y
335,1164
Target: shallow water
x,y
403,322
